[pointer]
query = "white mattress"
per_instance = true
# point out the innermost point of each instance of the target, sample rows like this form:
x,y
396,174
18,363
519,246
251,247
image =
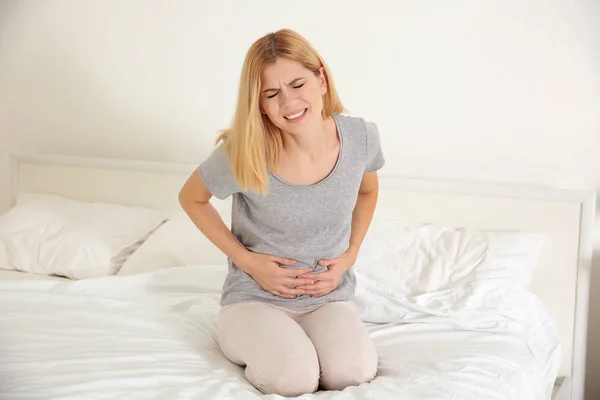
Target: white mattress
x,y
152,336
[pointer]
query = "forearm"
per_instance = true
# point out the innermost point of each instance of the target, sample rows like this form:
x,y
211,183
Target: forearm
x,y
361,219
209,222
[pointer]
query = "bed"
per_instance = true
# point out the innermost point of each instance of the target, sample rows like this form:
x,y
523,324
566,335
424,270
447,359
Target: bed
x,y
150,335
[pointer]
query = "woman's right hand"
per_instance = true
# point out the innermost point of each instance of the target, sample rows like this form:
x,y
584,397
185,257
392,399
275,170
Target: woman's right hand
x,y
280,281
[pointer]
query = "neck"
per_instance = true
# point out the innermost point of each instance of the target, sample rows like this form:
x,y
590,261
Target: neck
x,y
311,143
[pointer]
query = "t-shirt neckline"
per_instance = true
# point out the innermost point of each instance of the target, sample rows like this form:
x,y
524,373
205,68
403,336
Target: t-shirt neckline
x,y
335,167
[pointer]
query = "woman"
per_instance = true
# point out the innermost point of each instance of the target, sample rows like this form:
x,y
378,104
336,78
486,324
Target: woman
x,y
304,185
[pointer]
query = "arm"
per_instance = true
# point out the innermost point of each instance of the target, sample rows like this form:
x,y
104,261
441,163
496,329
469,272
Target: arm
x,y
265,269
363,211
194,198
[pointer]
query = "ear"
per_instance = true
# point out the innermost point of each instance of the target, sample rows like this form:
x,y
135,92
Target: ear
x,y
322,80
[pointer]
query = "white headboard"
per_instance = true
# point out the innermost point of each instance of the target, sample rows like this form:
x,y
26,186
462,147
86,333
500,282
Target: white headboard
x,y
564,216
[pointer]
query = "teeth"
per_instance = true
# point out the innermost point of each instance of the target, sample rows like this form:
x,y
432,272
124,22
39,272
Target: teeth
x,y
295,115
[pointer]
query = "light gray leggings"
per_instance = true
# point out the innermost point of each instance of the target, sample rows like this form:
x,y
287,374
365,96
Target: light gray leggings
x,y
289,352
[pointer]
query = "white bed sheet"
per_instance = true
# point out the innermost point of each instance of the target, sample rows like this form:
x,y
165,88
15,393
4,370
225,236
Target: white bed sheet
x,y
11,275
152,336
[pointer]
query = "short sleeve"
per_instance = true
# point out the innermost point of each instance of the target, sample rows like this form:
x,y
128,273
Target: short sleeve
x,y
375,157
217,175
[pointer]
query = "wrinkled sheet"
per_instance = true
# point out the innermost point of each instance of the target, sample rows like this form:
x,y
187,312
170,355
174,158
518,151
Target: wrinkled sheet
x,y
152,336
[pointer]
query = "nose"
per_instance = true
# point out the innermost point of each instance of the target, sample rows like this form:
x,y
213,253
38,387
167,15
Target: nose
x,y
286,97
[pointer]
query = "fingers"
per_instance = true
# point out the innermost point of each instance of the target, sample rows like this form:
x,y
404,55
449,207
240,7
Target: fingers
x,y
293,272
287,293
311,288
279,294
296,272
318,289
298,282
316,276
284,261
325,263
294,288
315,290
319,293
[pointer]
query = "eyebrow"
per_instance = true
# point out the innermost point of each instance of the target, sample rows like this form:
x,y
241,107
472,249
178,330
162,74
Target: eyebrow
x,y
289,84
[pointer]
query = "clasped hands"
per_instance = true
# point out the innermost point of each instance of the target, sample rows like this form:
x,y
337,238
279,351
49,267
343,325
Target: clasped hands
x,y
271,274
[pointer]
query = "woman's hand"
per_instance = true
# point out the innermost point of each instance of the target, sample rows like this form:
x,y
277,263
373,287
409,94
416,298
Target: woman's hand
x,y
328,280
280,281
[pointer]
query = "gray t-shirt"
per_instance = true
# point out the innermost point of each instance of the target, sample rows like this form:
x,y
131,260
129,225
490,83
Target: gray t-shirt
x,y
305,223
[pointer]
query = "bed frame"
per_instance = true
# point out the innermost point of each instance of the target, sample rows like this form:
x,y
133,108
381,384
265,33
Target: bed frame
x,y
566,217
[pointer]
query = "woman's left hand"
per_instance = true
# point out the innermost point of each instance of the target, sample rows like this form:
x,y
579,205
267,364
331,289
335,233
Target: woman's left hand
x,y
327,281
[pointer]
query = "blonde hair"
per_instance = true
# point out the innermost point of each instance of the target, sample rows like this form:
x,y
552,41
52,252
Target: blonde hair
x,y
253,143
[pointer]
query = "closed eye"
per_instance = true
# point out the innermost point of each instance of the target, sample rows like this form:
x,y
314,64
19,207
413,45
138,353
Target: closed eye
x,y
275,94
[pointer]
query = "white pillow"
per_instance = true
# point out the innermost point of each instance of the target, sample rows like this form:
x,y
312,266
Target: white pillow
x,y
53,235
414,260
178,242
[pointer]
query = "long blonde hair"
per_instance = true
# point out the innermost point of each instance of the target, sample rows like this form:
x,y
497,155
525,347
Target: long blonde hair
x,y
253,143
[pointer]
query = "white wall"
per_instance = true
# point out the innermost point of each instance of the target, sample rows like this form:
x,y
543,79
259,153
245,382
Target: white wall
x,y
489,90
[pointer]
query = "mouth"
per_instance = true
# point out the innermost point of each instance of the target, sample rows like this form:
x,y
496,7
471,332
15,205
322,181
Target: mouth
x,y
296,116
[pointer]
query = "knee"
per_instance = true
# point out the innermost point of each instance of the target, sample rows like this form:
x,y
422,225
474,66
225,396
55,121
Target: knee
x,y
290,378
294,382
349,372
348,375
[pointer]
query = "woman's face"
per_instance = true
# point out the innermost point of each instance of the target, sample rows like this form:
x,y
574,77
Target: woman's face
x,y
292,96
